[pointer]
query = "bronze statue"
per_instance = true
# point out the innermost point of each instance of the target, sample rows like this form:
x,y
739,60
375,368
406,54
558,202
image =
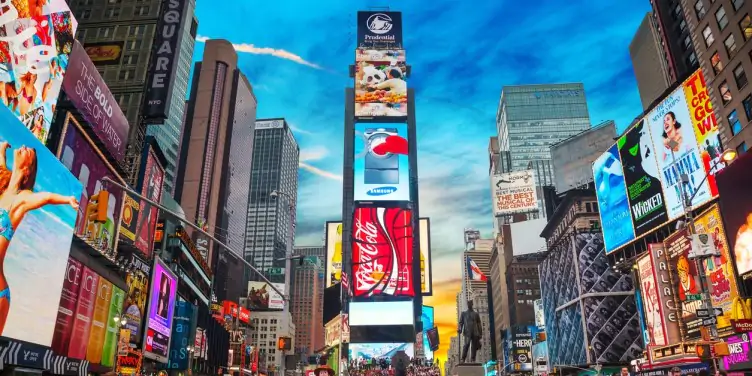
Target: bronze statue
x,y
470,326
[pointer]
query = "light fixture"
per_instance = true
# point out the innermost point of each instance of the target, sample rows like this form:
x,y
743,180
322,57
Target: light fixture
x,y
729,155
123,321
116,318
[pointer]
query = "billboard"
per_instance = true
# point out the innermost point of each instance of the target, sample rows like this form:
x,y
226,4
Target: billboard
x,y
135,300
611,190
514,192
109,349
68,301
382,258
675,148
105,53
520,343
263,298
740,356
720,271
33,60
182,337
428,319
381,165
333,253
37,238
641,175
369,351
573,158
736,204
163,66
151,187
373,313
80,155
540,318
380,83
161,305
686,281
377,29
658,299
83,315
88,92
426,272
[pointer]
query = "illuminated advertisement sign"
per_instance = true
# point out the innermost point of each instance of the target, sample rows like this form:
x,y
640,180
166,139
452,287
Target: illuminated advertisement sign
x,y
181,335
161,306
382,252
427,317
333,253
740,356
151,187
657,298
105,53
263,298
135,301
736,204
705,127
377,29
656,332
34,58
381,166
426,272
611,190
642,177
514,192
687,282
368,351
380,84
37,238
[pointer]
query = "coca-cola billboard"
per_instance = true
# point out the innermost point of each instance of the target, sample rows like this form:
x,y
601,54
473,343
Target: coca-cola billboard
x,y
382,252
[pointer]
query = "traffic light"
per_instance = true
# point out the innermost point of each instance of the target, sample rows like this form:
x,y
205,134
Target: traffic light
x,y
96,210
284,343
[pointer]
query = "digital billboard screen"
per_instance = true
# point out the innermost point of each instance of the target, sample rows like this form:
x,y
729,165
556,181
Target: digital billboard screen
x,y
382,258
151,187
613,205
381,313
261,297
135,300
686,281
426,272
380,84
379,29
161,307
381,168
368,351
333,253
736,204
428,319
37,236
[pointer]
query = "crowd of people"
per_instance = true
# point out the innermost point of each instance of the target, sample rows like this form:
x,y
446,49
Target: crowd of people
x,y
383,367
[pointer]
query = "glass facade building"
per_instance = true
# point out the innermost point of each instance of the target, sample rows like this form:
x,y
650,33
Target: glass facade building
x,y
270,219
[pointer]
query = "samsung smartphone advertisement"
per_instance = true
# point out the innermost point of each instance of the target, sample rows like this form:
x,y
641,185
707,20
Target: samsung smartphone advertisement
x,y
34,60
381,166
80,155
161,306
642,177
611,190
382,249
38,237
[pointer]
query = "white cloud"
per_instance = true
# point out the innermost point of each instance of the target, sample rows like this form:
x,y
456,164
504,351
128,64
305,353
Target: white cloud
x,y
252,49
313,154
297,130
320,172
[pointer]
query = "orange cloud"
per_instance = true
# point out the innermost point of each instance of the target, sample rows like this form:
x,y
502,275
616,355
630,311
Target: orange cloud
x,y
444,301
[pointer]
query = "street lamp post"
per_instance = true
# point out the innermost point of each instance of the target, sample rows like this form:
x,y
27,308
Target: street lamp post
x,y
288,257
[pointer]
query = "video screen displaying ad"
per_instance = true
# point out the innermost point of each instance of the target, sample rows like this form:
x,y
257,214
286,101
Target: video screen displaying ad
x,y
38,235
333,253
381,165
151,188
379,29
381,313
83,316
720,271
675,147
80,155
427,317
109,349
686,281
368,351
30,86
382,252
182,335
161,306
380,85
734,184
86,89
426,272
135,301
611,190
261,297
365,54
642,177
705,127
740,356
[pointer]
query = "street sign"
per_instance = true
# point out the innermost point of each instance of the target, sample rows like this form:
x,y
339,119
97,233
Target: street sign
x,y
693,297
709,321
276,271
718,311
702,313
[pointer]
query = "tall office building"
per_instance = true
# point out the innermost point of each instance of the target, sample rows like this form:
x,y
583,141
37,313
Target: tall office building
x,y
266,328
720,30
675,39
271,219
649,62
214,172
319,251
532,117
308,305
481,257
131,27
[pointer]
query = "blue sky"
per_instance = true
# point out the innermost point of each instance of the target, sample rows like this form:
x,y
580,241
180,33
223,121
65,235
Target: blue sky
x,y
296,55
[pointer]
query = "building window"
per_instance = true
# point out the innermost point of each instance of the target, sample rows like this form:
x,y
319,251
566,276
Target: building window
x,y
708,35
737,4
137,30
747,103
127,74
734,123
746,26
141,10
86,14
520,301
682,25
720,16
740,77
730,44
742,148
130,59
699,9
716,62
687,43
112,12
134,45
520,292
692,59
726,96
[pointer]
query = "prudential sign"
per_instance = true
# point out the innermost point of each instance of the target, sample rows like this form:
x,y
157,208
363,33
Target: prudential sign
x,y
379,30
164,61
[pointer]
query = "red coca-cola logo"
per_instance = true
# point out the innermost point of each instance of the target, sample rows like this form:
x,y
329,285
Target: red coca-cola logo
x,y
382,252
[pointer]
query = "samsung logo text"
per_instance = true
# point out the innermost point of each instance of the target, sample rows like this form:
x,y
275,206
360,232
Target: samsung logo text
x,y
381,191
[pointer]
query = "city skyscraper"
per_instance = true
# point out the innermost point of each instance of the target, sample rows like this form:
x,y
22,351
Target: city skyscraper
x,y
308,305
649,62
131,28
214,172
270,225
675,38
318,251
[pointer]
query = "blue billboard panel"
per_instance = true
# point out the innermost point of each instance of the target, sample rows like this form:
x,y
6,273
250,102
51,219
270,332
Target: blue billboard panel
x,y
380,167
427,317
613,205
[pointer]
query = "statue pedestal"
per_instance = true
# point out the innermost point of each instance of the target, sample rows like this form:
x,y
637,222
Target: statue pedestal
x,y
468,369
